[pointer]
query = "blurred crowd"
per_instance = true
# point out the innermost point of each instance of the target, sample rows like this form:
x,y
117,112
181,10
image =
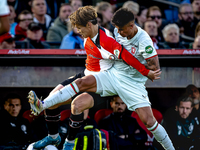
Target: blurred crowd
x,y
44,24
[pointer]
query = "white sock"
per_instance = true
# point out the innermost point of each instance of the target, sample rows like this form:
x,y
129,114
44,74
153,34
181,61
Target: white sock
x,y
61,95
54,136
161,136
72,141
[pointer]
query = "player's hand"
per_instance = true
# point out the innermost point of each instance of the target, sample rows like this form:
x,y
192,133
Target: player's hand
x,y
154,75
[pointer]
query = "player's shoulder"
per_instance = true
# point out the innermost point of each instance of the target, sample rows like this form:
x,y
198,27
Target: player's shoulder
x,y
106,32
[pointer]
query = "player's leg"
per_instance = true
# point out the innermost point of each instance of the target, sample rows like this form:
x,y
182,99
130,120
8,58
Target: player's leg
x,y
146,116
79,104
87,83
52,117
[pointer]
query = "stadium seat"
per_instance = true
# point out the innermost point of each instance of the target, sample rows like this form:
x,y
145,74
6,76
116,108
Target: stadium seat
x,y
27,115
65,114
102,113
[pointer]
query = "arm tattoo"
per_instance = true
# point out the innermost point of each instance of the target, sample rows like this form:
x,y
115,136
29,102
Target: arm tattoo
x,y
153,63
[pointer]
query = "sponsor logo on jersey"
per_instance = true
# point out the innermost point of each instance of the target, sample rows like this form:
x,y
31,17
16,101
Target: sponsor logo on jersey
x,y
149,49
133,50
116,52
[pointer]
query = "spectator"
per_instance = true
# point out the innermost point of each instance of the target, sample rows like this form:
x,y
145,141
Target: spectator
x,y
130,135
193,92
132,6
105,9
171,36
7,41
53,7
73,40
154,13
4,17
197,30
196,8
151,28
19,5
186,22
196,43
34,35
141,16
24,19
39,10
99,19
76,4
15,130
12,17
60,26
182,125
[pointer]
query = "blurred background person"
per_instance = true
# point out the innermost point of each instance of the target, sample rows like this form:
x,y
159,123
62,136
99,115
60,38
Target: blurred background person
x,y
186,22
141,16
7,41
172,37
182,125
132,6
15,130
73,40
151,28
76,4
12,17
4,17
61,25
130,135
193,92
154,13
39,10
34,35
196,43
19,5
24,19
196,8
105,9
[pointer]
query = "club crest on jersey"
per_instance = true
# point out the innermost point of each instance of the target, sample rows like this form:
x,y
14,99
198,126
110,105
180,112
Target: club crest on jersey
x,y
149,49
111,57
133,50
116,52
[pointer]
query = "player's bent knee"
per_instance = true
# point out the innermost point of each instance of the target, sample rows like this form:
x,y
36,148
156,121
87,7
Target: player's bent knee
x,y
82,102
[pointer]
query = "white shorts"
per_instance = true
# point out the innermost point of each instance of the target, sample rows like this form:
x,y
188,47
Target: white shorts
x,y
133,93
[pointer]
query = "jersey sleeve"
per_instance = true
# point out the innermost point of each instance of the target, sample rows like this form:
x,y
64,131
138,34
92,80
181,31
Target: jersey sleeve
x,y
147,49
121,53
4,9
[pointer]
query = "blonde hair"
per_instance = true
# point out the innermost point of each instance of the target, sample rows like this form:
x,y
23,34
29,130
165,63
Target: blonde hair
x,y
82,16
132,6
169,26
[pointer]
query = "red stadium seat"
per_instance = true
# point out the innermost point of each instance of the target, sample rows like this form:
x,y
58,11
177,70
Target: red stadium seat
x,y
102,113
27,115
65,114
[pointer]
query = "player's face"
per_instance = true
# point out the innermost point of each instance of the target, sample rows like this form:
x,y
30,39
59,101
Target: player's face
x,y
13,107
125,30
118,105
84,31
184,109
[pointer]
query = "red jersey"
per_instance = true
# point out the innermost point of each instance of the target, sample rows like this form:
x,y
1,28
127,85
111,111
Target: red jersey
x,y
102,53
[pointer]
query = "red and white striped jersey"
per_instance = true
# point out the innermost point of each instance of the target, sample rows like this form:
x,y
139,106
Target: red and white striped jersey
x,y
4,9
102,51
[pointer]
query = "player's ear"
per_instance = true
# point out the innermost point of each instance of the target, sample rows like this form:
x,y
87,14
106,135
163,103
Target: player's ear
x,y
89,24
